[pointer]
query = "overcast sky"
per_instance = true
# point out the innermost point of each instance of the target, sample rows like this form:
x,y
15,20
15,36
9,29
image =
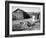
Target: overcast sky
x,y
27,9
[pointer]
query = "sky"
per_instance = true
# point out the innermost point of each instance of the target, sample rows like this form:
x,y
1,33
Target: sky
x,y
26,9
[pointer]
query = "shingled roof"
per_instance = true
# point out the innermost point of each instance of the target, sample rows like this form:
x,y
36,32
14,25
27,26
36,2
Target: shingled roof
x,y
25,14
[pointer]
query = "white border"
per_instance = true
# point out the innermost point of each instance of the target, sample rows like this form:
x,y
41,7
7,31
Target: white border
x,y
24,32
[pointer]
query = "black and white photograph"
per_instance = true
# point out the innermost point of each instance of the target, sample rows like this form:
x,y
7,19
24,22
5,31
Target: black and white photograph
x,y
25,18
